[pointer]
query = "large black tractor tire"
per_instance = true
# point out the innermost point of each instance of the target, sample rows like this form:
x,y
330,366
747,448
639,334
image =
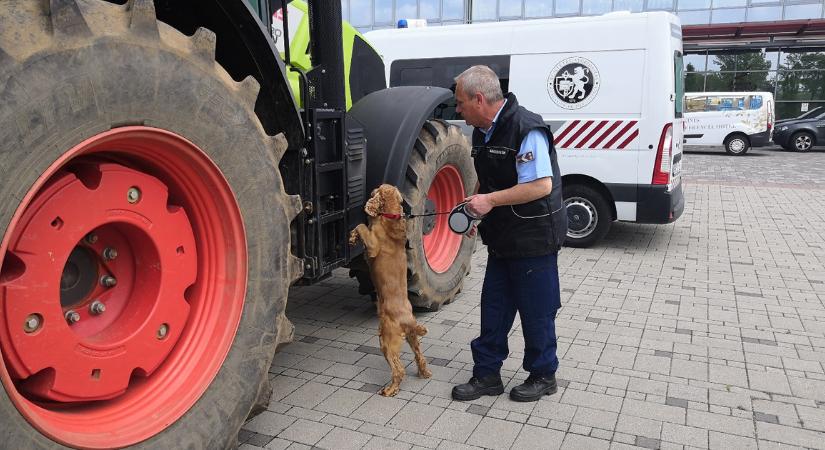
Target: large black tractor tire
x,y
439,175
73,70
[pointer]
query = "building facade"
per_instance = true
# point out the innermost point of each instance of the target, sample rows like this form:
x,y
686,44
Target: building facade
x,y
730,45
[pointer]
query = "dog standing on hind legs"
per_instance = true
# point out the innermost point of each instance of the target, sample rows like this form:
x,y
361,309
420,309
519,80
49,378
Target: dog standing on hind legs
x,y
386,255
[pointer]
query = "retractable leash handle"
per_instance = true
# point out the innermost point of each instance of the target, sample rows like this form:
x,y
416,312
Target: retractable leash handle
x,y
461,220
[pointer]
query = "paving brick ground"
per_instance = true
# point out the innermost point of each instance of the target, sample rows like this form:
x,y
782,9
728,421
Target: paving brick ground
x,y
706,333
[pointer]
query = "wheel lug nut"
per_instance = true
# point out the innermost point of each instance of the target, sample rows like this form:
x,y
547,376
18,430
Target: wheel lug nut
x,y
163,331
109,253
133,195
33,323
72,317
97,307
108,281
91,238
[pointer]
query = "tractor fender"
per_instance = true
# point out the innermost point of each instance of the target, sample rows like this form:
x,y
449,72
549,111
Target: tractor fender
x,y
392,119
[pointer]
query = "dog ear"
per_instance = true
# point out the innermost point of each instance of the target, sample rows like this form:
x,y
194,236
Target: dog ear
x,y
373,206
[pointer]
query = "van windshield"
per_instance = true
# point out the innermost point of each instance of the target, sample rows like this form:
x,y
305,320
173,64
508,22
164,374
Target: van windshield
x,y
679,80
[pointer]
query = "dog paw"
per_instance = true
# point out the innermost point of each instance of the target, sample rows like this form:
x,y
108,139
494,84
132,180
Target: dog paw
x,y
389,391
353,237
425,373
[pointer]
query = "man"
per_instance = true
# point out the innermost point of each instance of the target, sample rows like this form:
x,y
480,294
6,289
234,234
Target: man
x,y
524,224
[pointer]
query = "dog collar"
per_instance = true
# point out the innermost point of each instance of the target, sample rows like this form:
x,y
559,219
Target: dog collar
x,y
391,216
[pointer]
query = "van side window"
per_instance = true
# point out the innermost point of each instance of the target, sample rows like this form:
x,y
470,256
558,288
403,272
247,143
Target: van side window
x,y
695,104
441,72
756,102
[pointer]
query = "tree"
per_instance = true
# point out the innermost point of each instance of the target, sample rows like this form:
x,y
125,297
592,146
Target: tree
x,y
800,78
740,72
694,82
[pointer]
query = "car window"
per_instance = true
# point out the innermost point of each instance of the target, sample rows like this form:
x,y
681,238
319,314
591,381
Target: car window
x,y
756,102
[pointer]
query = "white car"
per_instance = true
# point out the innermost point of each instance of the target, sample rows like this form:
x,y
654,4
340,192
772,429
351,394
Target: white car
x,y
736,120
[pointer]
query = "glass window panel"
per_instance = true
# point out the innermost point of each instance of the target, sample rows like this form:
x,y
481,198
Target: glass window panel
x,y
628,5
790,110
538,8
695,62
809,11
383,11
693,4
452,9
719,60
719,82
595,6
729,3
754,81
429,9
724,61
764,13
694,82
484,9
694,17
802,59
801,85
509,8
344,10
764,2
406,9
727,15
360,12
659,4
567,7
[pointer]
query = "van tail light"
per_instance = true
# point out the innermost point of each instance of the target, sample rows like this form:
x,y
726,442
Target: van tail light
x,y
661,168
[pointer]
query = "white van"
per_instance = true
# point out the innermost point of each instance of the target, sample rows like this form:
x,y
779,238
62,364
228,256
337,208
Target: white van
x,y
737,120
610,87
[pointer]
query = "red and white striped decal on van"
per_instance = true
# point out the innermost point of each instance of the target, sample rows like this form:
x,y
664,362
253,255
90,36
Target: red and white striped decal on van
x,y
594,134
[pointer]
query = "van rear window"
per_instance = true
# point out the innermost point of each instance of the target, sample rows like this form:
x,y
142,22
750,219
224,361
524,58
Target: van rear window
x,y
679,80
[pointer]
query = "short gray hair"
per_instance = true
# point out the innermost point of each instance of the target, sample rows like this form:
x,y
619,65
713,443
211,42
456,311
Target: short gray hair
x,y
481,79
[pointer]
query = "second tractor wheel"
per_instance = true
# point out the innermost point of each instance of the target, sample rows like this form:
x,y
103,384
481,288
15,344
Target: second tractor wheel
x,y
439,176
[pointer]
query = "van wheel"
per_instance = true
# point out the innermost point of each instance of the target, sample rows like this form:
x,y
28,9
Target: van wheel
x,y
588,215
737,144
802,141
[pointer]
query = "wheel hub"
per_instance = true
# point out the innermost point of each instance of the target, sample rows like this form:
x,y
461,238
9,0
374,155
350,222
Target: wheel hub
x,y
737,145
100,329
581,217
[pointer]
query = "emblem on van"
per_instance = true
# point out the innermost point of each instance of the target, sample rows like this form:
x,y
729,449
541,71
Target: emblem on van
x,y
573,83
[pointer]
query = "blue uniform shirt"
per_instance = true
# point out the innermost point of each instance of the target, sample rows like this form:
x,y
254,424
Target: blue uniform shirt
x,y
533,158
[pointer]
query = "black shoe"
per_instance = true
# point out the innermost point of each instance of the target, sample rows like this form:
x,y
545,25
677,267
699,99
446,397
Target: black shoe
x,y
533,388
476,387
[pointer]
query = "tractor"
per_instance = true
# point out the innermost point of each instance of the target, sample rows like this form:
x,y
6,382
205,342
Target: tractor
x,y
169,169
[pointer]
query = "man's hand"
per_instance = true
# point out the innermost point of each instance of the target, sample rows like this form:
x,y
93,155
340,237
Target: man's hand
x,y
480,204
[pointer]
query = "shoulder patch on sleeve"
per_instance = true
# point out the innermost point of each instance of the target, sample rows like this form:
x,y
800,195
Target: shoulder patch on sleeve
x,y
526,157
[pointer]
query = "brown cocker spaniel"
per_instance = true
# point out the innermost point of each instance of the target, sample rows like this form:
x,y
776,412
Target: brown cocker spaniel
x,y
386,256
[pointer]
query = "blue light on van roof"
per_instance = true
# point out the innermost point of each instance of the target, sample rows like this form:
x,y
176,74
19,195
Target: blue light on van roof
x,y
402,23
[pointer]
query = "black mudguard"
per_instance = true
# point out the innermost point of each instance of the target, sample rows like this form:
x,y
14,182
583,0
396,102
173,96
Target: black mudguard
x,y
392,119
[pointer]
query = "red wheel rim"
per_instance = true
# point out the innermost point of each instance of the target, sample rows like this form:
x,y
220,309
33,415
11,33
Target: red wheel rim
x,y
119,376
441,245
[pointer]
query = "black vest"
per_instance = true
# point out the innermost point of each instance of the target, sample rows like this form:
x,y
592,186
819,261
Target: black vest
x,y
535,228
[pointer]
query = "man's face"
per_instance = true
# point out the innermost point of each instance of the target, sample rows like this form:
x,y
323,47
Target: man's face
x,y
468,107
